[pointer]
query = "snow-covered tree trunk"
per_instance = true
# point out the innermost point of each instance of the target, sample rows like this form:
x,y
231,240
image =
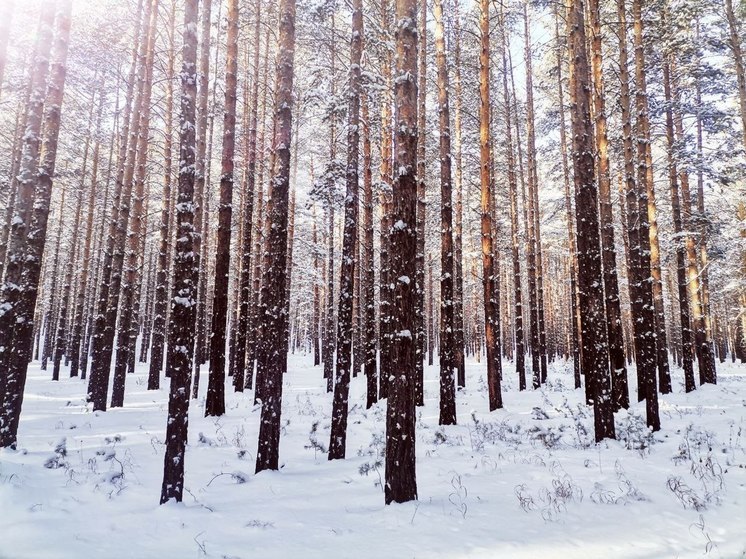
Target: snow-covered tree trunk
x,y
183,308
595,350
270,357
401,479
338,436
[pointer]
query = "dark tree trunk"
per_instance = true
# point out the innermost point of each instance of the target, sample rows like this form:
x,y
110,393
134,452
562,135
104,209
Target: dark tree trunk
x,y
590,272
619,387
338,436
182,317
489,272
215,405
639,242
401,480
270,356
447,347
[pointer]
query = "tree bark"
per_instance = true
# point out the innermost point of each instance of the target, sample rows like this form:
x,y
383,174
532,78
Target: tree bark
x,y
595,352
273,305
489,279
181,326
619,387
338,436
401,480
215,405
640,288
447,326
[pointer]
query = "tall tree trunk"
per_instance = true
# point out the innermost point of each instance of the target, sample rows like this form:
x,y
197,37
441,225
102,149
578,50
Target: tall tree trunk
x,y
183,309
520,349
367,263
62,325
489,272
459,217
35,192
80,305
419,279
447,347
330,338
201,192
571,239
384,282
215,405
619,388
595,352
640,289
165,230
338,436
686,331
270,357
401,480
249,184
645,180
536,262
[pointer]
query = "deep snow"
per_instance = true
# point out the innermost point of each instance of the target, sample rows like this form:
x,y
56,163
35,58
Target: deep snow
x,y
526,481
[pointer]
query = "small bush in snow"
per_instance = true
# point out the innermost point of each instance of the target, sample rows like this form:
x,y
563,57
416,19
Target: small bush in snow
x,y
633,430
59,458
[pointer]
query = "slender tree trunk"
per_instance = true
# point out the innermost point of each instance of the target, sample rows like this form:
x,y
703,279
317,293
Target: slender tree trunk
x,y
489,279
645,180
80,305
367,263
447,345
165,230
459,217
270,357
215,405
686,331
401,480
619,388
182,317
643,317
62,325
419,279
595,351
338,436
537,268
571,239
520,349
386,300
244,312
201,193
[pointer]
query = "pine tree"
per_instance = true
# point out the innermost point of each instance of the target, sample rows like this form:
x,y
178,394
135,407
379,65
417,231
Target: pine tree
x,y
181,325
401,480
273,306
595,351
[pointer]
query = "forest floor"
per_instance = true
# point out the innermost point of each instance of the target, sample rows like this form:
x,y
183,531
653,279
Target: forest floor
x,y
526,481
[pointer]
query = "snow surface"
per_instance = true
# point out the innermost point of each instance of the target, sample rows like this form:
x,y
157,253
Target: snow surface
x,y
523,482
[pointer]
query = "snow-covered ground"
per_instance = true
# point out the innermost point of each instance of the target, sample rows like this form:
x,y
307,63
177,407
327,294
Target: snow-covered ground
x,y
523,482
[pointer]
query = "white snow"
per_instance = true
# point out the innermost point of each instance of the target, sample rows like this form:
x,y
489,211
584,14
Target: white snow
x,y
522,482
